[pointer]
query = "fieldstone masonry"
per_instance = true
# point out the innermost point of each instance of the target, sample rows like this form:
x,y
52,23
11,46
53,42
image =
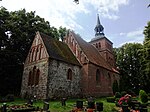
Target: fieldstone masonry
x,y
40,89
53,73
58,84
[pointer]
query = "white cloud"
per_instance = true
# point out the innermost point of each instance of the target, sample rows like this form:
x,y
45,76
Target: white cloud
x,y
58,12
64,12
122,34
107,8
135,36
135,33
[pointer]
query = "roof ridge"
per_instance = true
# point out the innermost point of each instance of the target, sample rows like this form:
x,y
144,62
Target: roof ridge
x,y
58,50
85,46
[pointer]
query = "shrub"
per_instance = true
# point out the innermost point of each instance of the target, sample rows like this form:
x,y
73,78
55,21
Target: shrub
x,y
110,99
123,93
10,97
114,110
7,98
117,95
115,87
117,99
116,102
143,96
132,93
148,94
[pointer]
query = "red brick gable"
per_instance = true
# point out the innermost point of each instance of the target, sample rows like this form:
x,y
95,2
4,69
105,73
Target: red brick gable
x,y
92,54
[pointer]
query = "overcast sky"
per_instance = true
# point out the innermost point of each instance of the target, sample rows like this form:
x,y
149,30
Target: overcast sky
x,y
123,20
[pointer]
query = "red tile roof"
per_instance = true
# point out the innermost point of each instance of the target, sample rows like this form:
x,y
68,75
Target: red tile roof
x,y
92,53
58,50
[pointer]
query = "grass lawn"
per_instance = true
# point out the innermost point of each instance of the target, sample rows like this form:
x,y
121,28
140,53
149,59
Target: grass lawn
x,y
55,106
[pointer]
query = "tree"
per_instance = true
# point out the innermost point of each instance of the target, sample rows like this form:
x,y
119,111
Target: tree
x,y
129,62
4,16
76,1
62,32
146,59
17,31
115,87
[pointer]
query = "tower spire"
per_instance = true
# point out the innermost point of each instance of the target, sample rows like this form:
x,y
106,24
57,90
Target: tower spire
x,y
98,20
99,29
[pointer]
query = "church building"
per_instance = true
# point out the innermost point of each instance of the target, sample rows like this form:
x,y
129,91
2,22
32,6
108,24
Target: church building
x,y
72,68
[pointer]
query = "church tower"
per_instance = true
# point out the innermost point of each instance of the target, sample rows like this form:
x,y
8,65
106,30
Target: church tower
x,y
103,44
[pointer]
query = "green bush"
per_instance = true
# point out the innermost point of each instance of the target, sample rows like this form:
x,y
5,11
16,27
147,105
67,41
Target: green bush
x,y
110,99
10,97
148,94
117,95
143,96
116,102
123,93
131,92
117,99
115,87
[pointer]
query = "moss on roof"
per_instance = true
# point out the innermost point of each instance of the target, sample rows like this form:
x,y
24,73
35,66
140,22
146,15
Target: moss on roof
x,y
58,50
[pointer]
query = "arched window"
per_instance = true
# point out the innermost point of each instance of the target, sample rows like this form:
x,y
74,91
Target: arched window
x,y
109,79
37,77
33,76
98,78
29,79
69,74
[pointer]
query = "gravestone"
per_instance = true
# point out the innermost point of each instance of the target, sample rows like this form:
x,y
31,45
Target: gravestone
x,y
79,104
46,106
63,101
4,107
99,106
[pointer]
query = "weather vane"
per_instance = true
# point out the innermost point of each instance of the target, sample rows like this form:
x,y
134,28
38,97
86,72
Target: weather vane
x,y
76,1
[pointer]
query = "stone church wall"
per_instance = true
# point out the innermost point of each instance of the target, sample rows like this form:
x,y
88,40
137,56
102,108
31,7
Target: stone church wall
x,y
58,84
40,89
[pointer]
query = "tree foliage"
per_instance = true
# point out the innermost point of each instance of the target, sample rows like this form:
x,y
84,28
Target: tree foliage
x,y
146,59
143,96
129,62
17,31
115,87
133,61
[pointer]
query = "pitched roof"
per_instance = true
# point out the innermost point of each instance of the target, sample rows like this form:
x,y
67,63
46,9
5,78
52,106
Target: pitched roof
x,y
58,50
92,53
